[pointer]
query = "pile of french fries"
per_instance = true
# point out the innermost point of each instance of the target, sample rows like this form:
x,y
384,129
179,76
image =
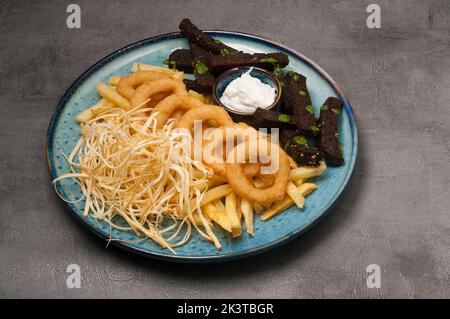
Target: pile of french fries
x,y
222,206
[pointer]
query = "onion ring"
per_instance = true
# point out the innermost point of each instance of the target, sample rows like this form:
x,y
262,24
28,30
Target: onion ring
x,y
245,187
127,84
174,105
207,112
148,89
219,139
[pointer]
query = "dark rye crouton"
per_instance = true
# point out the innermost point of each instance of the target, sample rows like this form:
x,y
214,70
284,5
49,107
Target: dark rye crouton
x,y
202,84
304,155
263,118
200,38
285,137
298,149
329,136
181,60
267,61
297,102
204,80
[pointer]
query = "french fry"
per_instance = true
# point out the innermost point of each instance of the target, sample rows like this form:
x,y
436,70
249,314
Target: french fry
x,y
114,80
307,188
292,163
198,220
213,194
110,94
218,217
238,208
287,201
247,212
220,206
305,172
298,182
91,112
295,195
277,208
230,206
147,67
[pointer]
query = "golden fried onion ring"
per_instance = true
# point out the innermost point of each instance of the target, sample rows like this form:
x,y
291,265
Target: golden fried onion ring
x,y
128,84
213,113
148,89
218,140
244,186
174,106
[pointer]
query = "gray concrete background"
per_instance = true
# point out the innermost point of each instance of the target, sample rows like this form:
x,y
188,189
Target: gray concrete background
x,y
395,212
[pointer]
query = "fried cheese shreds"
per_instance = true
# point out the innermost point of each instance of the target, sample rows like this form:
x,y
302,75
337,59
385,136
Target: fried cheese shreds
x,y
298,103
329,131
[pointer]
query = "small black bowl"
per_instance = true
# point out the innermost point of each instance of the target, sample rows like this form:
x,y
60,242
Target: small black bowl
x,y
264,76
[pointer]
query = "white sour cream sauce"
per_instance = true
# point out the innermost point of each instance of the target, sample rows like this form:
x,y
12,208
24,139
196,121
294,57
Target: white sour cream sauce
x,y
247,93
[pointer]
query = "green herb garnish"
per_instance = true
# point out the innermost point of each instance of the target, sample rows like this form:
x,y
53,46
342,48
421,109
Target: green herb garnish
x,y
294,76
341,149
324,107
277,70
310,109
300,140
315,129
166,62
302,93
287,146
337,135
336,111
217,41
200,67
271,60
284,118
227,51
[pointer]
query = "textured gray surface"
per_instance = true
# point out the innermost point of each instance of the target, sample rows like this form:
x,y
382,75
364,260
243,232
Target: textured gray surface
x,y
395,212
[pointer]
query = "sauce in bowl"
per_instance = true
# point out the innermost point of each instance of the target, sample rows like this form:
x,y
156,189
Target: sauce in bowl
x,y
247,93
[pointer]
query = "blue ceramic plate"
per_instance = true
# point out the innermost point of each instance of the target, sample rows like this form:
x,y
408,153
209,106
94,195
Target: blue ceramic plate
x,y
64,132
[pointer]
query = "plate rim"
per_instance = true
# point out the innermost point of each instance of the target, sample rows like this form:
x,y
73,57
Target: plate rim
x,y
209,258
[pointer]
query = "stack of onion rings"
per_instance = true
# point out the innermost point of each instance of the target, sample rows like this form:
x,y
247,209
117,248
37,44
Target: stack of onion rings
x,y
245,187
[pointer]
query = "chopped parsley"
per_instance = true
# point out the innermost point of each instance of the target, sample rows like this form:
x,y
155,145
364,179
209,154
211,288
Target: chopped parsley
x,y
217,41
271,60
300,140
324,107
287,146
171,64
228,51
315,129
276,70
337,135
294,76
341,149
310,109
200,67
302,93
335,110
284,118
